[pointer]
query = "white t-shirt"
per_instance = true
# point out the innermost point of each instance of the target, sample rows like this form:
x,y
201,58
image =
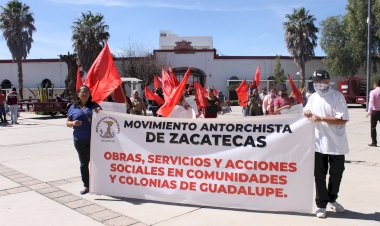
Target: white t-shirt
x,y
329,139
181,112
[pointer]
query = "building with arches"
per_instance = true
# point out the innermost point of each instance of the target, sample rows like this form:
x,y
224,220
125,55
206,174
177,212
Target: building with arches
x,y
207,67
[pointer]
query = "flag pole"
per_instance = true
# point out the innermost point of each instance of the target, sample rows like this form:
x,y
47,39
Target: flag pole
x,y
122,91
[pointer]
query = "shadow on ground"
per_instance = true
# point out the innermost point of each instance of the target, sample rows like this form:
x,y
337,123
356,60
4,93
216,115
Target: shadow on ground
x,y
348,214
47,117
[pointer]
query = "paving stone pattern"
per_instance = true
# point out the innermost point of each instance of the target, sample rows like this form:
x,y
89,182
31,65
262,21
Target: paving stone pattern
x,y
49,190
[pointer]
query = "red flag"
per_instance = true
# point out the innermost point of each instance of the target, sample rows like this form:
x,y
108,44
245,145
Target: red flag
x,y
118,95
79,79
242,92
167,84
257,77
199,95
296,92
168,106
215,91
152,96
102,78
174,77
157,82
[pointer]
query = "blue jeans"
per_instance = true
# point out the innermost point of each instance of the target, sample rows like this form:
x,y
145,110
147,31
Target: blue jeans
x,y
14,110
83,149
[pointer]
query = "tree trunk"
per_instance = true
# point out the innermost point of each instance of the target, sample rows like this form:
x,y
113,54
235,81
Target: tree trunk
x,y
20,79
302,73
72,67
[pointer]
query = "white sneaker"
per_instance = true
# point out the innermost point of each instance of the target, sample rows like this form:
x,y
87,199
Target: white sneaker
x,y
321,212
336,207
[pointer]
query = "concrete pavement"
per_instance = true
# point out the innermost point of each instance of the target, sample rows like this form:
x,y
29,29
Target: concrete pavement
x,y
40,183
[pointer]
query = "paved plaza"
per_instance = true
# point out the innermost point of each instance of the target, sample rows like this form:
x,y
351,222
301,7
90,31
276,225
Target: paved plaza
x,y
40,183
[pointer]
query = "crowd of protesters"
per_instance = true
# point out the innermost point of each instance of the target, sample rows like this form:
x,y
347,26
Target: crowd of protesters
x,y
216,103
264,103
258,103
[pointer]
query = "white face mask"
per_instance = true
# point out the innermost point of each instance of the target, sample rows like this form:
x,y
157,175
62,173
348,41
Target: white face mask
x,y
321,87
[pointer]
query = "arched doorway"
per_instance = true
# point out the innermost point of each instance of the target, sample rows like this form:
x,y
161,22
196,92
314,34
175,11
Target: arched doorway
x,y
46,83
6,84
196,75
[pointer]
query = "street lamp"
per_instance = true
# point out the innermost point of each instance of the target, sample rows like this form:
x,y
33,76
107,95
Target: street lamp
x,y
368,53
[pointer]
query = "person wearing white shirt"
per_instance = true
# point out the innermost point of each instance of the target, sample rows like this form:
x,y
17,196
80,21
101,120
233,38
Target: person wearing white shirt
x,y
327,108
182,110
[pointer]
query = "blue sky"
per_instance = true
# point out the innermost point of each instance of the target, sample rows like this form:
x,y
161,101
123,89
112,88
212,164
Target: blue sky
x,y
238,27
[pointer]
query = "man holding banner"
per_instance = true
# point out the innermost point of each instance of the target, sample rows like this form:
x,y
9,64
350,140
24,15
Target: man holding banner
x,y
328,109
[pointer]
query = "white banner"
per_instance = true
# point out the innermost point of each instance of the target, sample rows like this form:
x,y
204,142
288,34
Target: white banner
x,y
257,163
295,109
114,106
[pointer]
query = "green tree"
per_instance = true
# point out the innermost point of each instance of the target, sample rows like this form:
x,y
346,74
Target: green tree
x,y
356,25
376,19
376,35
300,38
279,74
90,33
17,23
335,42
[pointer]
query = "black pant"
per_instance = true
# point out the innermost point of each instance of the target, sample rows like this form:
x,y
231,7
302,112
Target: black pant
x,y
3,114
322,162
83,149
154,110
375,117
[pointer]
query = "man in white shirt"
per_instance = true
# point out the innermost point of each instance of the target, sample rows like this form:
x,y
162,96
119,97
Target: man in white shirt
x,y
328,109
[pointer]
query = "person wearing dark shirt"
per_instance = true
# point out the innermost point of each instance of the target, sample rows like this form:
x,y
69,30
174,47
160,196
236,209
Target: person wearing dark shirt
x,y
153,105
12,101
254,103
213,107
79,117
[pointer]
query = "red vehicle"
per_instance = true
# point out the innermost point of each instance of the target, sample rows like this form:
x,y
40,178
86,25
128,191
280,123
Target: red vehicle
x,y
353,90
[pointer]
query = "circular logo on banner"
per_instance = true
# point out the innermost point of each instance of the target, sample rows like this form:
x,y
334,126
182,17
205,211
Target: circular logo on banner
x,y
107,127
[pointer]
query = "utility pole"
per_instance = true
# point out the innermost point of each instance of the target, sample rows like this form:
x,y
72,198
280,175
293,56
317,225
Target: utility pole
x,y
368,53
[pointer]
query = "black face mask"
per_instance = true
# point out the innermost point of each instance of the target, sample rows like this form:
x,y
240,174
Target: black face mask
x,y
284,94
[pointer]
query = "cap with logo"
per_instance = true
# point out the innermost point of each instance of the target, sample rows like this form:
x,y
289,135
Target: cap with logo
x,y
319,75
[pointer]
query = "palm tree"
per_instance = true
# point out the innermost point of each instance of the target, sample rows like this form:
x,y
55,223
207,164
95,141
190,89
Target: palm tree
x,y
90,34
300,38
17,23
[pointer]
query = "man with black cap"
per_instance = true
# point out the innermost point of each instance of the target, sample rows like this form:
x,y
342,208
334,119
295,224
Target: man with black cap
x,y
327,108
